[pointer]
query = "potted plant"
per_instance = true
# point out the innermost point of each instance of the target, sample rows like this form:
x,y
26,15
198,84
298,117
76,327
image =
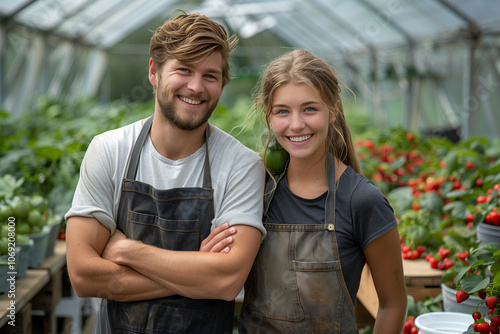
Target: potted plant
x,y
485,215
482,277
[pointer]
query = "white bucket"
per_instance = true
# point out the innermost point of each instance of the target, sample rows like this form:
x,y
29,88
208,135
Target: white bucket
x,y
443,322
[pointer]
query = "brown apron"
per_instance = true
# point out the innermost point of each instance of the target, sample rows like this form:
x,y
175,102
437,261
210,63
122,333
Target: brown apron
x,y
296,283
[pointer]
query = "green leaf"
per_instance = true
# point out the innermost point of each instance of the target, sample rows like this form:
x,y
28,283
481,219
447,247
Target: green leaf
x,y
451,161
457,193
465,232
49,152
9,185
400,199
412,308
458,209
431,201
398,163
496,279
495,268
474,283
462,272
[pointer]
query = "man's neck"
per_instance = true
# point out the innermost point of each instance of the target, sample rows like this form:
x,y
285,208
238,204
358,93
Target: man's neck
x,y
174,143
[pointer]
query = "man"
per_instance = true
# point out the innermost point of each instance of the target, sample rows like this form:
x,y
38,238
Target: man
x,y
138,232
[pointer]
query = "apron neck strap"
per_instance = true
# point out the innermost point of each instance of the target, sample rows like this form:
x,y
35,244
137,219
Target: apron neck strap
x,y
136,151
207,177
332,190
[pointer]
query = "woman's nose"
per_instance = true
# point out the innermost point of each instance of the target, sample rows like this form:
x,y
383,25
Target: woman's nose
x,y
296,121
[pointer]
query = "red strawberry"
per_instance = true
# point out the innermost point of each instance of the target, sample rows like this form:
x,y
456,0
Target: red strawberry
x,y
407,328
482,294
483,328
433,262
476,315
494,330
495,321
443,252
491,302
441,265
414,330
462,296
474,327
470,165
420,249
481,199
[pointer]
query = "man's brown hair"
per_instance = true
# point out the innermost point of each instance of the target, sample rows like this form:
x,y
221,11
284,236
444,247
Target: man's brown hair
x,y
190,38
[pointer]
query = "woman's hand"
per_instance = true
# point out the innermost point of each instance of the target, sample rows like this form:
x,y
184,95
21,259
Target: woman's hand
x,y
219,240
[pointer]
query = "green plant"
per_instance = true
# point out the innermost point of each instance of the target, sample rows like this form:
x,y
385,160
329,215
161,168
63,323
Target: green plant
x,y
482,277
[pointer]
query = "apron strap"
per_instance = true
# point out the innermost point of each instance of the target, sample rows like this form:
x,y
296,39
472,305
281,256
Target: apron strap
x,y
136,151
207,176
332,191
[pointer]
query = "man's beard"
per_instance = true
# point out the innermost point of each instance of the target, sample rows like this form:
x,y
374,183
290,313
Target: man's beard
x,y
168,111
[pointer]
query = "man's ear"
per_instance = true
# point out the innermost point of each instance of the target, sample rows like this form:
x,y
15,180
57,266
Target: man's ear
x,y
152,73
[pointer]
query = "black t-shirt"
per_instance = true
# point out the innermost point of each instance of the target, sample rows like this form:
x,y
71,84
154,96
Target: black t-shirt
x,y
362,214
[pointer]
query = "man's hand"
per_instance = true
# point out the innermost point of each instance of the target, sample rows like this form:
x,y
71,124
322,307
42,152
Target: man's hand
x,y
219,240
112,250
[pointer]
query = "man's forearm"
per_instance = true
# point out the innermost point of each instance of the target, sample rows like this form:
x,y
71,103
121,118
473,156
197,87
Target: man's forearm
x,y
195,274
93,276
111,281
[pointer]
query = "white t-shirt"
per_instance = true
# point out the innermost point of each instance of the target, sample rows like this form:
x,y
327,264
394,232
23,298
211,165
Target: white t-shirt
x,y
237,172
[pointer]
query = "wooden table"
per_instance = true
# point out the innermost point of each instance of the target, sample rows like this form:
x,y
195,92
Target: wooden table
x,y
421,281
40,289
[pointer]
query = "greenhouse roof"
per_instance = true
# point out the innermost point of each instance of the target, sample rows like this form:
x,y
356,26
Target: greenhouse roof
x,y
330,25
418,58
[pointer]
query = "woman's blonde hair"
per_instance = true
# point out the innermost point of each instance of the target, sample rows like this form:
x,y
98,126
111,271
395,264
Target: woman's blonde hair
x,y
190,38
303,67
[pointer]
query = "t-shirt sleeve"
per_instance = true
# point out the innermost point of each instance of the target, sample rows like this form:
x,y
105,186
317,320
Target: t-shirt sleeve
x,y
94,192
372,213
242,202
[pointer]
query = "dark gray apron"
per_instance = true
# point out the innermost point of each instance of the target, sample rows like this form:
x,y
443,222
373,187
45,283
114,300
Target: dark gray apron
x,y
175,219
296,283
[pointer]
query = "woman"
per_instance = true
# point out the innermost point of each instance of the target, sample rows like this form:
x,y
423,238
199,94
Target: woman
x,y
324,219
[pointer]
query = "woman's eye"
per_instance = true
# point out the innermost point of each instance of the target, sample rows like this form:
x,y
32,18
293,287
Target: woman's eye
x,y
184,70
310,109
281,111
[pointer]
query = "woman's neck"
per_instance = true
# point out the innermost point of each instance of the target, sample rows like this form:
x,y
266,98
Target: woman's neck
x,y
307,179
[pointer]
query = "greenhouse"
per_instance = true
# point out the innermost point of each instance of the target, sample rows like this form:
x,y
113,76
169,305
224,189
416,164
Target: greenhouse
x,y
420,91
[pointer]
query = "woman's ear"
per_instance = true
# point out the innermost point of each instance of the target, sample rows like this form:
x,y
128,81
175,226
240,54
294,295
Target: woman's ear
x,y
335,112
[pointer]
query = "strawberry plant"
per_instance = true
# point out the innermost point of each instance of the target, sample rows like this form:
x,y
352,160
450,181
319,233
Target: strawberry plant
x,y
390,158
483,278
